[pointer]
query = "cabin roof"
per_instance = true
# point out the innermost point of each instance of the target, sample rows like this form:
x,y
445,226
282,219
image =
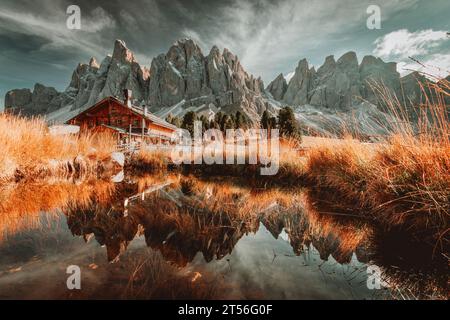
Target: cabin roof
x,y
136,110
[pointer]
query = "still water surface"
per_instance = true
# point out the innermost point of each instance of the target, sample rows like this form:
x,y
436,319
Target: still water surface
x,y
179,237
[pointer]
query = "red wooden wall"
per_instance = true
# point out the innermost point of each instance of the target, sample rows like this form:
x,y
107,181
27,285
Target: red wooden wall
x,y
114,114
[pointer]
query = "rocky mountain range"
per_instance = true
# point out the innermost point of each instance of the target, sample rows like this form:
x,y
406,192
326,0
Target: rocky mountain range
x,y
180,80
339,85
344,95
184,79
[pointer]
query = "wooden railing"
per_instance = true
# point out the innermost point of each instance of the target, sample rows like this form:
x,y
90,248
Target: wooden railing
x,y
136,146
129,147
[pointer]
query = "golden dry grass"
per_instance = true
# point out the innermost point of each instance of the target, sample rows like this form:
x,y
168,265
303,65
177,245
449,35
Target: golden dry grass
x,y
27,145
149,160
404,179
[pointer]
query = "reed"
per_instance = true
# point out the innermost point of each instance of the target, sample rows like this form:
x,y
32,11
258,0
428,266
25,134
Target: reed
x,y
404,179
149,160
28,147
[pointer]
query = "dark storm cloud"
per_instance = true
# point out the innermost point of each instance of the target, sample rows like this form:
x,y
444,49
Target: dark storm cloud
x,y
268,36
13,42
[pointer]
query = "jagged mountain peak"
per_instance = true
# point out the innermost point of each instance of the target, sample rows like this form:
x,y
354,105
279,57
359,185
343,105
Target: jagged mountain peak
x,y
297,90
187,44
338,85
303,63
215,51
121,53
39,86
182,52
218,80
348,59
184,42
369,61
227,53
182,75
277,88
328,65
184,79
93,63
280,77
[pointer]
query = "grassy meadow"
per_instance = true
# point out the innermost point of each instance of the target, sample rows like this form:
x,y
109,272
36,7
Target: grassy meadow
x,y
28,149
401,180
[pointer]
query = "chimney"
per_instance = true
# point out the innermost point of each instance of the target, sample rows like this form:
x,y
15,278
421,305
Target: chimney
x,y
145,110
127,97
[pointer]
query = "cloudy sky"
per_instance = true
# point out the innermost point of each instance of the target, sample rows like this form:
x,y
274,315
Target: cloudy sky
x,y
268,36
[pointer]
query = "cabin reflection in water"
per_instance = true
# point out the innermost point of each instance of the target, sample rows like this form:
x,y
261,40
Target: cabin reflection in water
x,y
211,226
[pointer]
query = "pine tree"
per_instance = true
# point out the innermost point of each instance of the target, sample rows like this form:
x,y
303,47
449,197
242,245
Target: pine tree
x,y
218,117
265,120
226,123
272,123
214,125
205,123
188,121
288,125
176,121
239,120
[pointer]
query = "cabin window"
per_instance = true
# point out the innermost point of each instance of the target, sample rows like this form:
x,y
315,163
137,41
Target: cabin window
x,y
119,122
135,123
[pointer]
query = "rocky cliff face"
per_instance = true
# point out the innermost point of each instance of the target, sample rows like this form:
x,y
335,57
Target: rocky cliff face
x,y
412,90
340,85
277,88
26,102
182,79
18,99
185,78
343,95
89,83
297,92
336,83
92,82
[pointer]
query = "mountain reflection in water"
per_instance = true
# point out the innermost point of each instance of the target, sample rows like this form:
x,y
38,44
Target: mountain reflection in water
x,y
255,243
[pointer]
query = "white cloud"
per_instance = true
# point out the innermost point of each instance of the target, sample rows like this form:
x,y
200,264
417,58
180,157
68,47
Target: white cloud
x,y
53,28
270,36
434,66
402,44
98,20
428,47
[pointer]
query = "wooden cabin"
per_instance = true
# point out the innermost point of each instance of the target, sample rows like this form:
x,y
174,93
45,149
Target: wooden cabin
x,y
127,122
